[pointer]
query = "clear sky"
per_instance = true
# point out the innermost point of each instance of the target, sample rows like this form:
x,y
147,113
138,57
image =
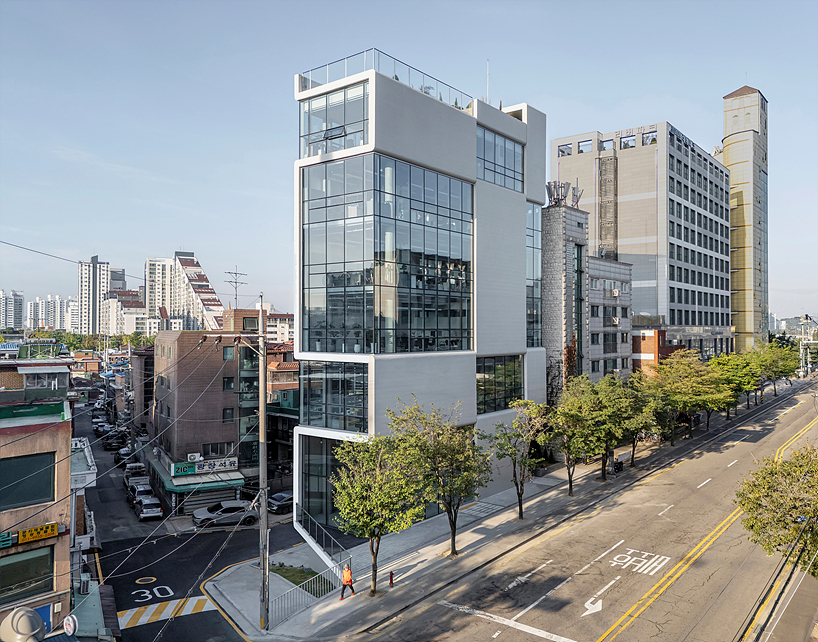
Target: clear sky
x,y
133,129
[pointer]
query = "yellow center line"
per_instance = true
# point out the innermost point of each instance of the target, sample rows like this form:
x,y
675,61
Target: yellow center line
x,y
669,578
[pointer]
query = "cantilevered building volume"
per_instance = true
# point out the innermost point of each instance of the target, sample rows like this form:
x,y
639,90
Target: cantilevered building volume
x,y
745,155
659,202
418,258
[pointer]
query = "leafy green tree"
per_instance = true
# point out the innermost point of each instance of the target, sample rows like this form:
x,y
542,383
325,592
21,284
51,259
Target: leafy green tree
x,y
514,443
574,432
777,362
449,460
377,491
741,373
643,414
781,502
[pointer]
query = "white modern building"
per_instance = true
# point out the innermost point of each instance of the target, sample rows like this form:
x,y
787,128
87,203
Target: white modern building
x,y
280,327
11,309
414,257
94,284
157,285
659,202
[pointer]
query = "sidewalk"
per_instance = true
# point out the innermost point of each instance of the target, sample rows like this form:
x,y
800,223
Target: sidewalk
x,y
418,556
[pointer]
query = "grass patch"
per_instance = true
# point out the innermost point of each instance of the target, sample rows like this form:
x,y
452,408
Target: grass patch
x,y
291,574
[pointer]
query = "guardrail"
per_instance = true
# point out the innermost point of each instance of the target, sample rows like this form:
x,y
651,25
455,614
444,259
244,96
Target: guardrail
x,y
319,534
300,597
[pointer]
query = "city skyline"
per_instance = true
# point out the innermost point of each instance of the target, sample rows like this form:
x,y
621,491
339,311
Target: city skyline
x,y
134,130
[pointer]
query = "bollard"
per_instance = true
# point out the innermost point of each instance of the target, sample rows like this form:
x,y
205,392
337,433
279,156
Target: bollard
x,y
391,579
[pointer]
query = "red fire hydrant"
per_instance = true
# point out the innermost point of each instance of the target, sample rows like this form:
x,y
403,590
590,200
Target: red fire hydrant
x,y
391,579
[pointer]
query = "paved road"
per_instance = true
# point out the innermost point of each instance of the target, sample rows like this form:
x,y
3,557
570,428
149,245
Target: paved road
x,y
665,559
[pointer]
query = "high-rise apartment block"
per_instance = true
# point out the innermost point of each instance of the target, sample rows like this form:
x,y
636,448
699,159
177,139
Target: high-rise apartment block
x,y
51,313
659,202
745,155
11,309
157,285
94,284
416,249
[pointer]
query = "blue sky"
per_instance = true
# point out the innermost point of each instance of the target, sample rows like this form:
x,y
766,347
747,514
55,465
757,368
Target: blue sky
x,y
134,129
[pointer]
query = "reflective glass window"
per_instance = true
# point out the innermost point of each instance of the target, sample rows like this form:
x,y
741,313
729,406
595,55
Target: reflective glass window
x,y
499,382
499,160
335,121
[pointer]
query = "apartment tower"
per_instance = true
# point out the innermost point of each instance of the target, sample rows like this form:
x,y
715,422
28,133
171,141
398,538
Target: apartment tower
x,y
94,284
745,155
658,202
418,262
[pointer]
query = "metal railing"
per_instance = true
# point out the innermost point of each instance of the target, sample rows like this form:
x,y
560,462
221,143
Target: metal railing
x,y
319,534
389,66
300,597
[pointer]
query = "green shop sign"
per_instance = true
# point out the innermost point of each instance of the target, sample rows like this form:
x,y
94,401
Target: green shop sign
x,y
184,468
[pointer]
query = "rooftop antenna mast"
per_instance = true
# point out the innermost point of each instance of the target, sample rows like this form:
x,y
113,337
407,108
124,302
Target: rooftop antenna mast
x,y
236,283
488,100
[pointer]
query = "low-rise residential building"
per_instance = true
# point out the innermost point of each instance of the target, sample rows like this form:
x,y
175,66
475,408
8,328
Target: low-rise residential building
x,y
280,327
649,346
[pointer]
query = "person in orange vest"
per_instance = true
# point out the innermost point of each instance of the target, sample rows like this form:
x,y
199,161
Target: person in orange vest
x,y
347,581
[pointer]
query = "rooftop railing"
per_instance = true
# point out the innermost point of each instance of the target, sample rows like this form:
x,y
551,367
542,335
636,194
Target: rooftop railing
x,y
389,66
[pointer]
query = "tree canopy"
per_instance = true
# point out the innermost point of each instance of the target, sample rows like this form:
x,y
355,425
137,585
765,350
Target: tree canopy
x,y
776,362
780,499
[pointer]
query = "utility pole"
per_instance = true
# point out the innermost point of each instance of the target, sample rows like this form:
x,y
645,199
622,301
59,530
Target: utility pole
x,y
236,283
264,551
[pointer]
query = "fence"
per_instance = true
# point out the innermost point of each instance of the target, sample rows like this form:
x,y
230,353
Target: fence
x,y
320,535
300,597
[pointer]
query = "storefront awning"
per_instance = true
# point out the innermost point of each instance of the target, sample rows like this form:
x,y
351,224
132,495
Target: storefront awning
x,y
189,483
42,369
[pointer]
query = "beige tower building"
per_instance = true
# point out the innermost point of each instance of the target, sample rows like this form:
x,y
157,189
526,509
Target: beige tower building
x,y
745,155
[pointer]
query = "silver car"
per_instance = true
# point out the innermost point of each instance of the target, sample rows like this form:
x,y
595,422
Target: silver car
x,y
225,514
147,507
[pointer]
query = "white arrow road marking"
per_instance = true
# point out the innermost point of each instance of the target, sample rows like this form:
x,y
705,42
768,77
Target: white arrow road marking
x,y
524,578
501,620
704,482
594,607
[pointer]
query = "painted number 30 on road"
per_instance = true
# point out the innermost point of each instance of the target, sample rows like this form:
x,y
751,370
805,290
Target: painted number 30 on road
x,y
162,592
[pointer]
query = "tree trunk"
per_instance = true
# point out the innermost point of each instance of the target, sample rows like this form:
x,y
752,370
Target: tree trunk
x,y
604,463
708,419
570,470
633,451
775,392
673,433
520,501
453,529
747,394
374,545
728,413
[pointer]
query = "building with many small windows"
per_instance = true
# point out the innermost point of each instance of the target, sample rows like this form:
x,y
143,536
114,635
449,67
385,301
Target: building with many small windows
x,y
609,322
418,252
659,202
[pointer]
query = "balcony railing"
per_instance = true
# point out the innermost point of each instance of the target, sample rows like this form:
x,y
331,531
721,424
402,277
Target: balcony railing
x,y
300,597
389,66
319,534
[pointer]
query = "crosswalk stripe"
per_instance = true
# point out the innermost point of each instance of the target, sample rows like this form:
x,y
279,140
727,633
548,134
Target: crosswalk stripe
x,y
163,611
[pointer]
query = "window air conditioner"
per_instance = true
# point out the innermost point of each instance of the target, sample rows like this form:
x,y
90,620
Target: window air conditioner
x,y
615,320
194,457
615,292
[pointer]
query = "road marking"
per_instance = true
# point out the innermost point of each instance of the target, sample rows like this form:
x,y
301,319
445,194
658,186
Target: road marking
x,y
501,620
666,510
593,607
704,482
496,634
163,611
794,438
599,557
740,440
730,464
145,580
671,576
527,609
524,578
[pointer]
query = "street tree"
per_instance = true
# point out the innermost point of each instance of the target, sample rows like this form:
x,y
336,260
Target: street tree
x,y
777,362
514,443
780,499
448,459
376,490
644,415
741,373
574,433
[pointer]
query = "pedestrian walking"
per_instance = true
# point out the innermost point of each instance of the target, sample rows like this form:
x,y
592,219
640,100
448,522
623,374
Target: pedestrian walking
x,y
347,581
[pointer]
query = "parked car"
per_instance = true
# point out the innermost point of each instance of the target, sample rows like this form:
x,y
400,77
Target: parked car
x,y
137,491
114,444
226,513
281,502
100,430
132,470
122,456
136,480
148,507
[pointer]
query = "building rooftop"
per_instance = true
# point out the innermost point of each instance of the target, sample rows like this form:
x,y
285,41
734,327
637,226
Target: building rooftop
x,y
743,91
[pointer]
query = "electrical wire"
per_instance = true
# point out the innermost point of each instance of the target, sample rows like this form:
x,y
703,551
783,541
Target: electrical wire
x,y
37,472
7,592
62,499
173,365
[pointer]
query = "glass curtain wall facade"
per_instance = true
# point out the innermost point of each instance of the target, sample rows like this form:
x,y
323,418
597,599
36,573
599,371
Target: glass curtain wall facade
x,y
334,395
499,382
387,253
499,160
334,121
533,276
318,465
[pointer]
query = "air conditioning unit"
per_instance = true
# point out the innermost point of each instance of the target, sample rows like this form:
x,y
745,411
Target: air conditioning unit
x,y
615,292
192,458
85,583
615,320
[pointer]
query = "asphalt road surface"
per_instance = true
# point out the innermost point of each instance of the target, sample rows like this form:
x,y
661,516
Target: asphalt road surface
x,y
664,559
